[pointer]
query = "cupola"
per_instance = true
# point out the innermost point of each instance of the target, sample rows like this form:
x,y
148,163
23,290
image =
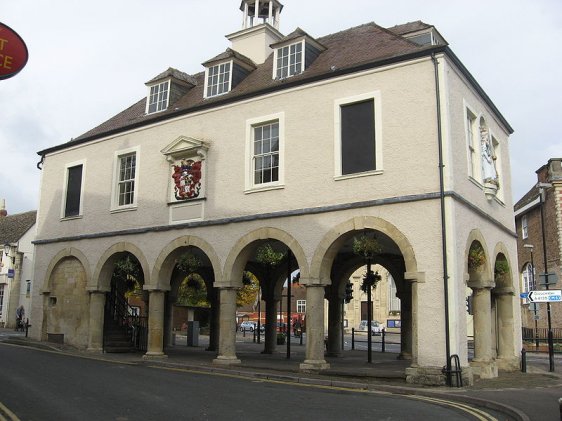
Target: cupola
x,y
260,29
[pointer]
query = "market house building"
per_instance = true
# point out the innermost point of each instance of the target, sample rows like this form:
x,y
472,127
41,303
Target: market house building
x,y
302,143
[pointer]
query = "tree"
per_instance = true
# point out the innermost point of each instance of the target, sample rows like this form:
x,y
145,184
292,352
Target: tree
x,y
248,293
192,291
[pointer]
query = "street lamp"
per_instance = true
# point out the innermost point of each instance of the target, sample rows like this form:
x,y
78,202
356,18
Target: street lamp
x,y
533,287
542,193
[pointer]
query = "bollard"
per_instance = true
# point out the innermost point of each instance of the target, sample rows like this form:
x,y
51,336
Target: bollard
x,y
560,407
523,361
383,334
352,338
27,326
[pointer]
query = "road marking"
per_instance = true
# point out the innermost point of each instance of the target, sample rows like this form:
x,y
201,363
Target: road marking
x,y
475,412
478,413
4,411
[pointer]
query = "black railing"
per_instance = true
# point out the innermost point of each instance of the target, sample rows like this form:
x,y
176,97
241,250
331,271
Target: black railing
x,y
383,341
118,312
539,336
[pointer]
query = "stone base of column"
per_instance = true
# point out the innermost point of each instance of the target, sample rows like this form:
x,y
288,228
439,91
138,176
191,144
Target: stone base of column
x,y
154,356
485,369
434,376
220,360
404,356
509,364
314,365
334,354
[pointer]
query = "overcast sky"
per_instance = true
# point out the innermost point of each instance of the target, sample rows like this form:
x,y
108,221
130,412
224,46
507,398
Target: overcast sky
x,y
90,60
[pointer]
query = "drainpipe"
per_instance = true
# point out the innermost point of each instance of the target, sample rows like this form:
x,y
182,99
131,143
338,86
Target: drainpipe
x,y
443,226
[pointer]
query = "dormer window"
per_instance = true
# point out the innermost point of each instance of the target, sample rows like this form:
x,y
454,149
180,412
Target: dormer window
x,y
158,97
166,89
218,79
289,60
294,54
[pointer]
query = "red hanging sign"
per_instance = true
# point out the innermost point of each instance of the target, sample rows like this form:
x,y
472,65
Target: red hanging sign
x,y
13,52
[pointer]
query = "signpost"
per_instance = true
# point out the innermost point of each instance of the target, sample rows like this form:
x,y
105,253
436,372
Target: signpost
x,y
548,296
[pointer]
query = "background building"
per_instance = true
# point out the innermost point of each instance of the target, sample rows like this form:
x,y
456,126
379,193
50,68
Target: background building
x,y
16,263
300,146
530,245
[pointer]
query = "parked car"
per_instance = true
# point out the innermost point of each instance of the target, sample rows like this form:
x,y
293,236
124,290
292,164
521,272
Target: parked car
x,y
376,327
247,325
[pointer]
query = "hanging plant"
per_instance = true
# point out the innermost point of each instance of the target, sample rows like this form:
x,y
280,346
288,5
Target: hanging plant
x,y
501,268
129,271
188,263
269,257
476,258
370,280
366,247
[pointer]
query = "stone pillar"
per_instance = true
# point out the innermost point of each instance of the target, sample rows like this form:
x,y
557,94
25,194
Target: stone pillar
x,y
507,358
168,321
314,329
406,324
214,327
483,362
156,325
95,336
227,331
271,306
335,309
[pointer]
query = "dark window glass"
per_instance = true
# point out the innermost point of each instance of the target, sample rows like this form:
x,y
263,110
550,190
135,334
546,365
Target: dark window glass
x,y
358,137
73,189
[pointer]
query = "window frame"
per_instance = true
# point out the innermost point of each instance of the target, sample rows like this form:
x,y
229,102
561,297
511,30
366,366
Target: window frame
x,y
473,146
251,124
158,101
115,191
527,276
301,304
276,67
230,63
67,168
375,96
524,227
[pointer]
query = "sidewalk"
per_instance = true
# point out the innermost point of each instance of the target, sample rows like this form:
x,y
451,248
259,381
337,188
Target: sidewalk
x,y
521,396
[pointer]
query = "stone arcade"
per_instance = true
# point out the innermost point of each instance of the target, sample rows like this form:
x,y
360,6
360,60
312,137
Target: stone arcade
x,y
304,144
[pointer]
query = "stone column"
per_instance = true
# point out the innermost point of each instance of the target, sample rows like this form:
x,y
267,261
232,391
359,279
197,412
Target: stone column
x,y
271,306
482,306
507,358
314,329
227,331
155,325
406,324
335,325
95,336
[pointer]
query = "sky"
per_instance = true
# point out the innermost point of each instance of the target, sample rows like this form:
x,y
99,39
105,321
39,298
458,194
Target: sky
x,y
90,60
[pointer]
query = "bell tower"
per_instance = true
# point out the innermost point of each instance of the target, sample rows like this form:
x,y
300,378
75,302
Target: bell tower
x,y
260,29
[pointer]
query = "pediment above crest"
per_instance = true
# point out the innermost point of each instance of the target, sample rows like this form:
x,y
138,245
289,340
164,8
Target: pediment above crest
x,y
185,146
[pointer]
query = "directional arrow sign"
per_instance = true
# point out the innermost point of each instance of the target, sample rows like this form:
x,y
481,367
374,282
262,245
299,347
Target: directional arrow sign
x,y
553,295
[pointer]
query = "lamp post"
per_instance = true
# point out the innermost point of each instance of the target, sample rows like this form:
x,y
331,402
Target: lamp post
x,y
533,287
542,194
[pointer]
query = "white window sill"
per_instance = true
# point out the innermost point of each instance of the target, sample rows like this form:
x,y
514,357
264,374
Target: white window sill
x,y
70,218
264,188
357,175
124,209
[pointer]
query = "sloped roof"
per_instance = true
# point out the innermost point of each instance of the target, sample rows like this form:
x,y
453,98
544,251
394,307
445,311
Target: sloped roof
x,y
527,198
175,73
13,227
230,53
359,48
409,27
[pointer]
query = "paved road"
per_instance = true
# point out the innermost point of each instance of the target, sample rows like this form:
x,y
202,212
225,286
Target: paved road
x,y
39,385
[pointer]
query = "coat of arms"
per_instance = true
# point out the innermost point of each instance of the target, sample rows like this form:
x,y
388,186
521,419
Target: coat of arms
x,y
187,179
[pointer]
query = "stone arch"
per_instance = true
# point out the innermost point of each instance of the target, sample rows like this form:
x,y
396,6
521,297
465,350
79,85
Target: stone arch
x,y
162,271
104,268
501,253
67,252
484,272
333,240
240,254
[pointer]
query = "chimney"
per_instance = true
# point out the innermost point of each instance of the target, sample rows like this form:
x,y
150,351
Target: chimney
x,y
3,211
542,174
